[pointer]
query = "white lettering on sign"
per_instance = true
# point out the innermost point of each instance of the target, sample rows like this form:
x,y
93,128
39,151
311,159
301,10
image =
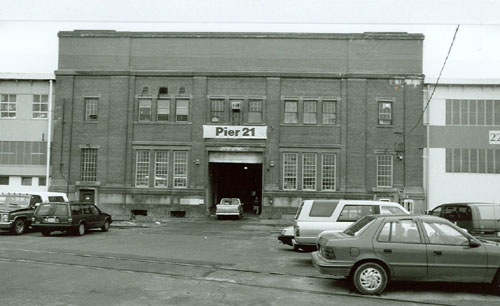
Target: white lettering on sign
x,y
494,137
235,131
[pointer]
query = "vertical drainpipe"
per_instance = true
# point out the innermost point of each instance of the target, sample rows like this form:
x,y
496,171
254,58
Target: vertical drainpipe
x,y
427,153
49,137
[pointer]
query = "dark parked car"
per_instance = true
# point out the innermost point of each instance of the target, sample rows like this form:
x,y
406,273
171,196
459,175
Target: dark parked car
x,y
69,217
377,249
479,219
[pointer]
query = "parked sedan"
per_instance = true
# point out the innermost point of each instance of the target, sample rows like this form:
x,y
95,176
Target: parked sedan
x,y
69,217
378,249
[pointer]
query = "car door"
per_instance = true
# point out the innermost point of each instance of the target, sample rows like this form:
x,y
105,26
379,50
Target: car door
x,y
400,244
450,256
88,216
98,217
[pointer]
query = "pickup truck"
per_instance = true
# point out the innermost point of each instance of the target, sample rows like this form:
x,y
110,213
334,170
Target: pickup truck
x,y
229,207
16,211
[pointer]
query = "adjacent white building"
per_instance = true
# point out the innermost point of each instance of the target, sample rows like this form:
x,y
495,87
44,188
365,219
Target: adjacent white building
x,y
462,154
25,131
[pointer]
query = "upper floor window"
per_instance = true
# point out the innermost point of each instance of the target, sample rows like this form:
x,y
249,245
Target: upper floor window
x,y
217,110
309,169
163,110
91,105
40,106
291,111
384,113
473,160
472,112
7,106
384,170
329,112
181,110
88,165
144,109
310,111
161,168
180,169
254,111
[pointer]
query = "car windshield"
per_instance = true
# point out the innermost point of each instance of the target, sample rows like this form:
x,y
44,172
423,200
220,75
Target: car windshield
x,y
15,200
51,209
230,201
356,228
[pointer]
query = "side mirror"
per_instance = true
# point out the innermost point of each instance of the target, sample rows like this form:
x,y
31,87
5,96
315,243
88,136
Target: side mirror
x,y
427,212
474,244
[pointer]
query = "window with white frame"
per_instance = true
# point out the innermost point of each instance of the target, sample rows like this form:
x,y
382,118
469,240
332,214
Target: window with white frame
x,y
88,165
163,110
384,113
40,106
309,166
181,110
144,109
142,168
180,169
329,112
255,111
290,162
384,170
217,109
328,168
91,107
7,106
161,168
310,111
291,111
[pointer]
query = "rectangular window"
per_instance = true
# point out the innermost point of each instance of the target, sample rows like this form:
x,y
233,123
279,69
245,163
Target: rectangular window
x,y
310,111
471,112
142,168
181,110
329,112
473,160
4,180
163,110
290,171
384,113
88,165
26,181
309,166
7,106
144,109
40,106
180,169
161,168
217,110
328,166
384,170
91,109
23,153
42,181
291,111
455,115
254,111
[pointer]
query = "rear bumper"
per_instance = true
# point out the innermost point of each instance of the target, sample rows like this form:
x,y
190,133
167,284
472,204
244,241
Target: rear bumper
x,y
53,227
227,213
286,239
329,267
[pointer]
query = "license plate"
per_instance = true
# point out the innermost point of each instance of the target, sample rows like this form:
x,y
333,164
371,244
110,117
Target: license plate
x,y
51,220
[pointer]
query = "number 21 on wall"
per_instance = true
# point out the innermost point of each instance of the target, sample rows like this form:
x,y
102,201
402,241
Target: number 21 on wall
x,y
494,137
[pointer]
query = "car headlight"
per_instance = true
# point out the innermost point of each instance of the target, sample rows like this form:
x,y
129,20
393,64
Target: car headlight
x,y
328,253
5,217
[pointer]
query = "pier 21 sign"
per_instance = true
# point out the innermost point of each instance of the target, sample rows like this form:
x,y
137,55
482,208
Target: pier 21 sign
x,y
235,131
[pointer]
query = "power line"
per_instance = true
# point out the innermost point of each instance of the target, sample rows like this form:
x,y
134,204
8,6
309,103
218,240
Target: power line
x,y
436,84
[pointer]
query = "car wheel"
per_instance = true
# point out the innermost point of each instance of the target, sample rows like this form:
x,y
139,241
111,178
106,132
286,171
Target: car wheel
x,y
105,226
496,284
45,233
19,227
80,231
370,278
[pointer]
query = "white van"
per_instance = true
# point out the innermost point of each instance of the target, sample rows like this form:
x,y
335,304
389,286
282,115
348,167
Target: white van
x,y
40,196
316,216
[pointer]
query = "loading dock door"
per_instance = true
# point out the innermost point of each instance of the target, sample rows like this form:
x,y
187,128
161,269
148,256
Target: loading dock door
x,y
237,175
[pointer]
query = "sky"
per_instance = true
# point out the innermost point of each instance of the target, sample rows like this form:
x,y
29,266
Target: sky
x,y
29,44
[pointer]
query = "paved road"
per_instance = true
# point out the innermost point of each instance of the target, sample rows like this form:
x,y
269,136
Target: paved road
x,y
189,262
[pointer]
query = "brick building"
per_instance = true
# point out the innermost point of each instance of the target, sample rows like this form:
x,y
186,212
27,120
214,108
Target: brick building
x,y
162,122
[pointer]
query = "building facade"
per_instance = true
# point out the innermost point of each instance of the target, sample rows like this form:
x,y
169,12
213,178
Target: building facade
x,y
24,131
463,144
161,123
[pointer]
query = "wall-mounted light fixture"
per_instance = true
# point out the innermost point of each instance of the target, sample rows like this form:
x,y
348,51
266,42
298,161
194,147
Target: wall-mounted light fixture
x,y
271,163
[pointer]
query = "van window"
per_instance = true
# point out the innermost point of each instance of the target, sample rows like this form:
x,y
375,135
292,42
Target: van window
x,y
56,199
299,210
464,213
86,209
76,210
351,213
391,210
35,199
436,212
323,208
